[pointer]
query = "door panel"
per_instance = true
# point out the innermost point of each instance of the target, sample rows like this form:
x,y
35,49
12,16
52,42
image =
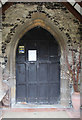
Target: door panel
x,y
54,93
21,93
43,50
54,73
20,73
38,81
43,73
43,93
32,93
32,73
21,58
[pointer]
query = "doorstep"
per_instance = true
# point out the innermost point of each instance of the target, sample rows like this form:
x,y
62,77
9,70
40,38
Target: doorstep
x,y
46,114
29,105
40,113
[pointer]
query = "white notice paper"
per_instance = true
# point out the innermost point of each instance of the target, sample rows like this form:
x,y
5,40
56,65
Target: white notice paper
x,y
32,55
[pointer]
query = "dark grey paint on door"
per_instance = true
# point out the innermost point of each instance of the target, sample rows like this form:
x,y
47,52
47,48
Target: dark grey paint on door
x,y
38,81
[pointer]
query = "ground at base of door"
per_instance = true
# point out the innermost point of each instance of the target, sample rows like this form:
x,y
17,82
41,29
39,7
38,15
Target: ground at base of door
x,y
40,113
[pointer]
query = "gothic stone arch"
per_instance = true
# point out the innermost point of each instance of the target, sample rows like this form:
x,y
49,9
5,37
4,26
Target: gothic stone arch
x,y
41,20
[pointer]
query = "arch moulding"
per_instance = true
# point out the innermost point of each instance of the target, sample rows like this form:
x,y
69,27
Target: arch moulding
x,y
44,22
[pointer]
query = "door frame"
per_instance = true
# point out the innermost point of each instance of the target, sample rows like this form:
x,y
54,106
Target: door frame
x,y
45,23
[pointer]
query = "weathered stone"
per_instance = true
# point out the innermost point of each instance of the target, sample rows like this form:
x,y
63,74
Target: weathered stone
x,y
5,100
19,15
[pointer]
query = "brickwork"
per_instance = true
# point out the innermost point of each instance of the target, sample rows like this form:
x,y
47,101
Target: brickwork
x,y
16,21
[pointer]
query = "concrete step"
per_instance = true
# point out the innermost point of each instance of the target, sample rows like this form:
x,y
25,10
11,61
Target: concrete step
x,y
55,114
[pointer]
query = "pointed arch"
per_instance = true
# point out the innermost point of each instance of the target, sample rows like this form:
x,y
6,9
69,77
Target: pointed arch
x,y
36,20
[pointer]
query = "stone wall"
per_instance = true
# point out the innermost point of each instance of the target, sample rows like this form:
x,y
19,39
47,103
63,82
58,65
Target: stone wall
x,y
19,14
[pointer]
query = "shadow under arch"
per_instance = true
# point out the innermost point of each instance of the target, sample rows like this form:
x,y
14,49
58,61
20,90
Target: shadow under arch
x,y
39,33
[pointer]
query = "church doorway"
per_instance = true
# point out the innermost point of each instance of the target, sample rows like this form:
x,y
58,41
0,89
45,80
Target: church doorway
x,y
38,68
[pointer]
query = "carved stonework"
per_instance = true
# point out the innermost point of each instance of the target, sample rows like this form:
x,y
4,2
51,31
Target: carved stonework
x,y
5,100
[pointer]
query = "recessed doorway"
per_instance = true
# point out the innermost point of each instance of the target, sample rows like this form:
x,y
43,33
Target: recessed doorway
x,y
38,68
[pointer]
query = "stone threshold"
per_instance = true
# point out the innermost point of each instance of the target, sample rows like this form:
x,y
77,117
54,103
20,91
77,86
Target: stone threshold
x,y
35,109
69,111
29,105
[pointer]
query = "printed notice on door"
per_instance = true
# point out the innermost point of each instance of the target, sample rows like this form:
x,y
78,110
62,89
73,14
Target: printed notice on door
x,y
21,49
32,55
